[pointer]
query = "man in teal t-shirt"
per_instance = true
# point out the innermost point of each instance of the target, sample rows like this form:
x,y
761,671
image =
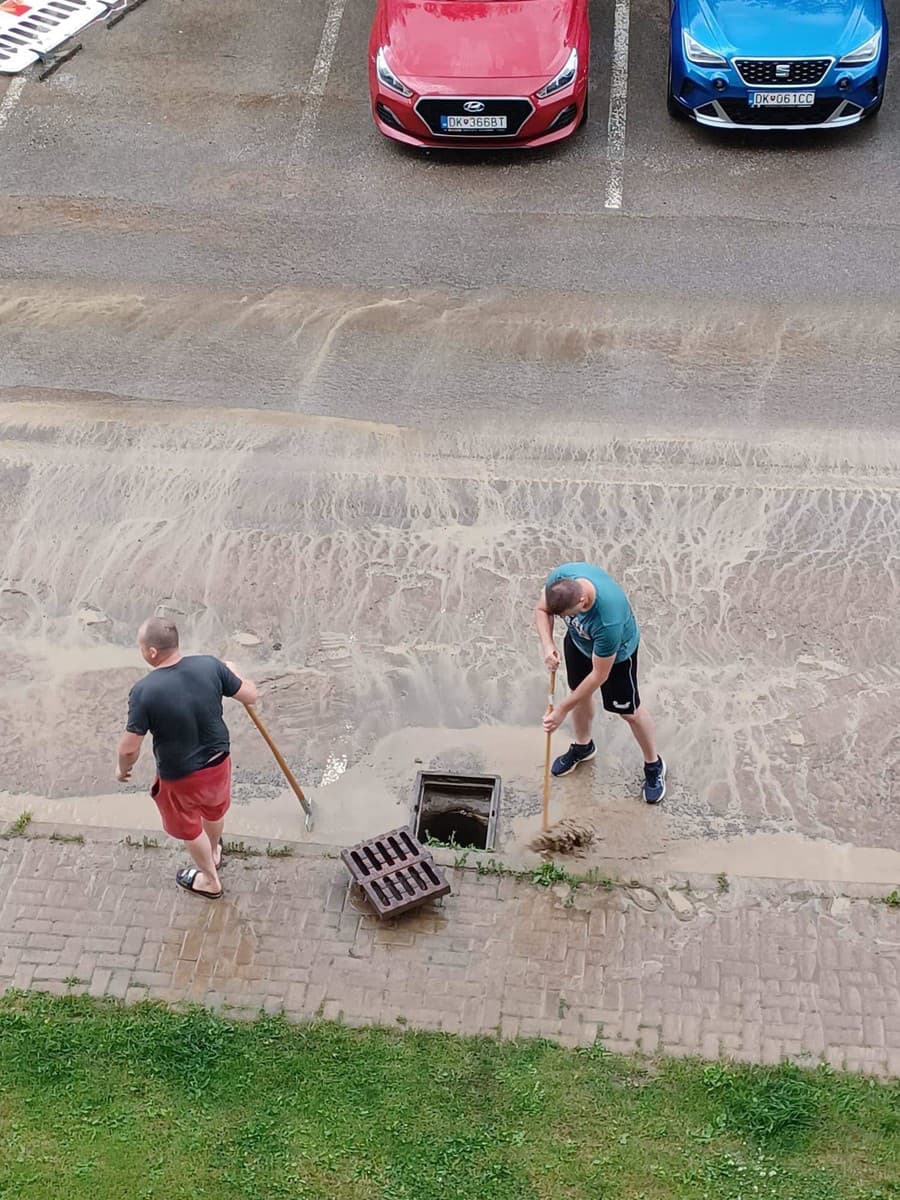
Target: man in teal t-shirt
x,y
601,651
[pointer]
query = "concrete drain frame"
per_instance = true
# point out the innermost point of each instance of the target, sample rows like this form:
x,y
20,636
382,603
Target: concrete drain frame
x,y
458,810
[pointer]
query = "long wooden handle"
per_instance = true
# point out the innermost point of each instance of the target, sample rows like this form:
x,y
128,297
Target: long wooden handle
x,y
545,808
288,773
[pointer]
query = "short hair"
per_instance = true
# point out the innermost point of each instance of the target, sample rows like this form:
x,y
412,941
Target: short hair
x,y
563,596
159,633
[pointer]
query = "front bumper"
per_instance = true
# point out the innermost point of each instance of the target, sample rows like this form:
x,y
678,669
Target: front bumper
x,y
728,106
531,122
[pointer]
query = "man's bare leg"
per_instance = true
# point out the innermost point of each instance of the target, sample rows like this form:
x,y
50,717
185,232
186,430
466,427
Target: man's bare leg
x,y
582,719
213,830
201,851
641,725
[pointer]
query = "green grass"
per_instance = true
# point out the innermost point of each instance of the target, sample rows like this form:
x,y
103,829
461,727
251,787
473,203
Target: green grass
x,y
102,1102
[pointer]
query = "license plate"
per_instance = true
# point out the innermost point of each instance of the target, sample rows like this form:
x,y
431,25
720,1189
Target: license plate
x,y
782,99
471,124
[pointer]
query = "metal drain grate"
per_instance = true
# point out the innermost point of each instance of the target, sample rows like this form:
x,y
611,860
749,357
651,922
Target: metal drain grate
x,y
395,871
29,30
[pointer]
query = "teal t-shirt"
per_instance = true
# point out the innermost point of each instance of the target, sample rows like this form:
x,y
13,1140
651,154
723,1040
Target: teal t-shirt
x,y
608,627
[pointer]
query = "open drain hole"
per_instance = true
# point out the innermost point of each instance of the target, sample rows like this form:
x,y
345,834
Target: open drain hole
x,y
458,810
457,827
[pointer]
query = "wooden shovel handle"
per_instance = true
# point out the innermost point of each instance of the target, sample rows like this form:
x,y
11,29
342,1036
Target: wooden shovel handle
x,y
545,808
288,773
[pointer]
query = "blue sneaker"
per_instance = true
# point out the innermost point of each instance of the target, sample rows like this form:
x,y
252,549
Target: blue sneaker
x,y
566,763
655,781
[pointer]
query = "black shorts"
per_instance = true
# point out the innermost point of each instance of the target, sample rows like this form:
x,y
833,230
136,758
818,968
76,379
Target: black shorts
x,y
620,692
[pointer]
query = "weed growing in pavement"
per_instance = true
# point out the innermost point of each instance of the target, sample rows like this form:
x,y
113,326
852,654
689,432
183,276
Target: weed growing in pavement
x,y
722,881
450,844
240,850
595,878
76,838
892,899
146,843
234,849
19,825
459,859
493,866
547,875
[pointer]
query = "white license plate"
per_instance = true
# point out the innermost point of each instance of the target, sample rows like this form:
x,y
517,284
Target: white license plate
x,y
782,99
470,124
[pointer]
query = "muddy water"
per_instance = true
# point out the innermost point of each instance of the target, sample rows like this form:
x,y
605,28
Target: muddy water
x,y
432,356
380,583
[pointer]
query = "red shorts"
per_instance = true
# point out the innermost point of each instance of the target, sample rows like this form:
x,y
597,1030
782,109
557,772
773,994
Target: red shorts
x,y
183,802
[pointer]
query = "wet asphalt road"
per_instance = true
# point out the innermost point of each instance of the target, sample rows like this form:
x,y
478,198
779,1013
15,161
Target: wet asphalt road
x,y
698,389
184,166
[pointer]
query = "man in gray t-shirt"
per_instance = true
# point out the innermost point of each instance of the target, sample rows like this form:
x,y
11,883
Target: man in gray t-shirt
x,y
180,704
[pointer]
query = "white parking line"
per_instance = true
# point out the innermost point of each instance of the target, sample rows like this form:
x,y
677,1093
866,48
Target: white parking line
x,y
618,97
11,99
318,80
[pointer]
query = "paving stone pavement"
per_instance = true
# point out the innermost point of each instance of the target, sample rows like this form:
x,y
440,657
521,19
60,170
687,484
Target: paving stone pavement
x,y
760,972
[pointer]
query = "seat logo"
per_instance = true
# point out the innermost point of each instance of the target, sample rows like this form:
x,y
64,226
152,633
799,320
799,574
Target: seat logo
x,y
783,71
473,106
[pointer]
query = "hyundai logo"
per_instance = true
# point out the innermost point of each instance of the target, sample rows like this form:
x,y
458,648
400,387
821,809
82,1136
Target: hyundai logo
x,y
473,106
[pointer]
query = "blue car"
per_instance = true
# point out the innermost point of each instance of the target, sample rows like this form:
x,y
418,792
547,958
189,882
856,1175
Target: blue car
x,y
777,64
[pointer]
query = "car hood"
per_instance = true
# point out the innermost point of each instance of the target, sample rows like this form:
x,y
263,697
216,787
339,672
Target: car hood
x,y
782,27
458,39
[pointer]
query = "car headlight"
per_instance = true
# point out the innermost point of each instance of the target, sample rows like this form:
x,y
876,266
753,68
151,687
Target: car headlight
x,y
387,76
863,54
563,79
697,53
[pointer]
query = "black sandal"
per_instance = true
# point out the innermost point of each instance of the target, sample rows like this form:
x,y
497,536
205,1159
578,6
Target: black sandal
x,y
186,877
222,859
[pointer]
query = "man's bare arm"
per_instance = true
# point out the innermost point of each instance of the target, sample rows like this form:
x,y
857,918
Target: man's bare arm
x,y
600,669
248,692
129,752
544,621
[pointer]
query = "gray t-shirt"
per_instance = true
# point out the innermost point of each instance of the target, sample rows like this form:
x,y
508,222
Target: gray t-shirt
x,y
182,707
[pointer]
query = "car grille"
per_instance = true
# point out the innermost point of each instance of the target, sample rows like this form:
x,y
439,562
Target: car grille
x,y
432,108
741,113
764,72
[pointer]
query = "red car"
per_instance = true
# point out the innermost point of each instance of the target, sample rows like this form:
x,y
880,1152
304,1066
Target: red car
x,y
485,73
